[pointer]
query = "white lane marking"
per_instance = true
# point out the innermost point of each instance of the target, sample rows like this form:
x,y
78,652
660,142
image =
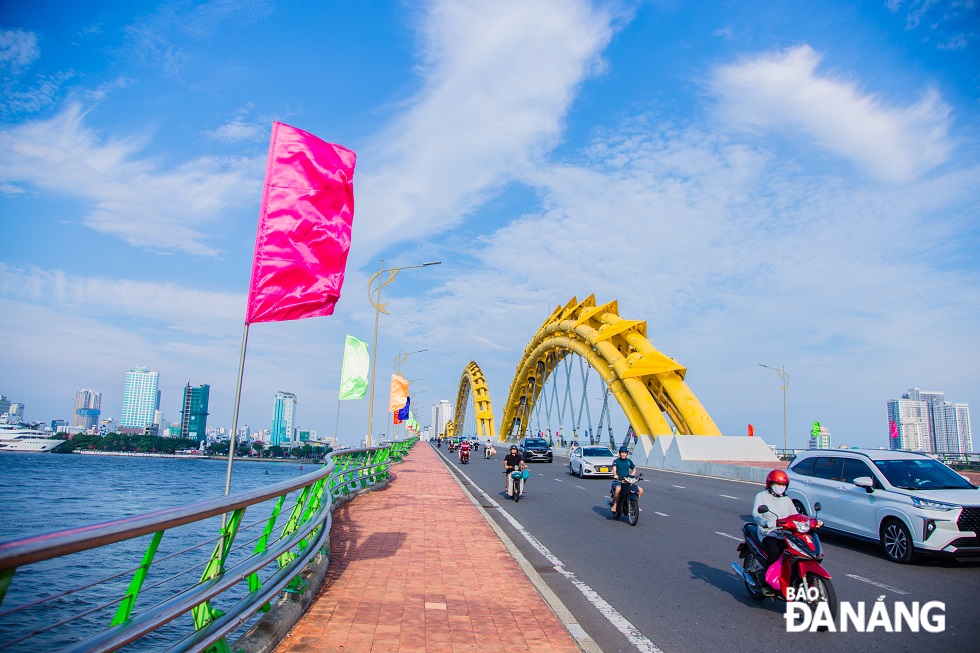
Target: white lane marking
x,y
731,537
620,622
558,479
660,513
679,487
728,497
580,487
876,583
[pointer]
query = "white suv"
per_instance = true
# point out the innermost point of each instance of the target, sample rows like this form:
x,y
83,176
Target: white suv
x,y
907,501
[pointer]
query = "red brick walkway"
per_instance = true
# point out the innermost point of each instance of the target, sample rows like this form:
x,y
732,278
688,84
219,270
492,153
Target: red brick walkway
x,y
415,567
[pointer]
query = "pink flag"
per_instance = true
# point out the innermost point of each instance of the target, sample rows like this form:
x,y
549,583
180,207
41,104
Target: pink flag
x,y
304,228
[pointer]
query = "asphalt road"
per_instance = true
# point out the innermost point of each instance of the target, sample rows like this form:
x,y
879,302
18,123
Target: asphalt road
x,y
670,576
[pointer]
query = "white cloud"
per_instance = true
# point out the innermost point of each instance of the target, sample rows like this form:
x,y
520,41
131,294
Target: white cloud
x,y
499,78
166,210
166,306
237,130
18,49
783,92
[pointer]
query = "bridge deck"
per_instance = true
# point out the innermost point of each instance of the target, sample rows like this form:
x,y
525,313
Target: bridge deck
x,y
415,567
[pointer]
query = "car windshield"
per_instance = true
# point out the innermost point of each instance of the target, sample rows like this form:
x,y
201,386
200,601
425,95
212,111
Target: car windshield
x,y
535,443
597,452
921,474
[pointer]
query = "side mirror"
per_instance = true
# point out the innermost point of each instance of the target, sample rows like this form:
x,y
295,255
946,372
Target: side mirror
x,y
763,509
816,507
866,482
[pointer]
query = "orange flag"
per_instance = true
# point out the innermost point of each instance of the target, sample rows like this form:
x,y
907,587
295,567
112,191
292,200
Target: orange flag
x,y
399,393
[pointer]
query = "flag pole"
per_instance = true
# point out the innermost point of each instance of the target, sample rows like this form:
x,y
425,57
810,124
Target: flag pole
x,y
234,420
336,427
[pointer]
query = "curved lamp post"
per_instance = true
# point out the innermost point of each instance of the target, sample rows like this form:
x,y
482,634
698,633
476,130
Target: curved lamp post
x,y
378,309
784,377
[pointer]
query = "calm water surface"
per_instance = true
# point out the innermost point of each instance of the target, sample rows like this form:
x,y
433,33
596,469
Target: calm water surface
x,y
48,492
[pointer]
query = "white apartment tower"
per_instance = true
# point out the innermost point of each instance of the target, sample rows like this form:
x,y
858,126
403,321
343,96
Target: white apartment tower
x,y
140,398
925,421
283,419
441,414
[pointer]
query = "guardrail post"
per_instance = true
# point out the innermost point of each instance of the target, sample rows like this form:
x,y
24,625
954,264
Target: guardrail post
x,y
126,606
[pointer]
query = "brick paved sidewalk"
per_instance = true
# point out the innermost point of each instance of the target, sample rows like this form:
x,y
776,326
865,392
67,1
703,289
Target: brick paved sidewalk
x,y
415,567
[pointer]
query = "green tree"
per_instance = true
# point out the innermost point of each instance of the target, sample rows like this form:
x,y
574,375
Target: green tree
x,y
257,447
275,451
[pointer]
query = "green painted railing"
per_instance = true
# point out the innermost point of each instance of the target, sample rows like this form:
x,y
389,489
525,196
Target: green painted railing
x,y
242,577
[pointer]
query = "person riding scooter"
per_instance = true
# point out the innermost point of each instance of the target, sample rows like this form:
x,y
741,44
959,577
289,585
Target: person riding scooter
x,y
622,466
464,450
780,506
512,461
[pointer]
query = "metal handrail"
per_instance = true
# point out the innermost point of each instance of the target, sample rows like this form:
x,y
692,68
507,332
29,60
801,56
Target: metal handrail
x,y
300,540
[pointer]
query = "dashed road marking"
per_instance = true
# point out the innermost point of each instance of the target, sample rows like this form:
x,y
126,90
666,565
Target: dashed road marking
x,y
731,537
660,513
876,584
679,487
622,624
728,497
558,479
580,487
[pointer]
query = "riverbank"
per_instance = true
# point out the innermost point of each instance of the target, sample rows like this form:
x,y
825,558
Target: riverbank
x,y
187,456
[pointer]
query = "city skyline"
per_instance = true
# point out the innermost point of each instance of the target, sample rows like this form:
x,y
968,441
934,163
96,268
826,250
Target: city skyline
x,y
793,184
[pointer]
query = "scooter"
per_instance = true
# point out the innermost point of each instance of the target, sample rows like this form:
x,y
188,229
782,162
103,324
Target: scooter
x,y
518,477
629,499
464,455
801,576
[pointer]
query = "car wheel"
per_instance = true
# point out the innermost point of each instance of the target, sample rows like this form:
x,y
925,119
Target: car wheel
x,y
800,508
896,542
571,470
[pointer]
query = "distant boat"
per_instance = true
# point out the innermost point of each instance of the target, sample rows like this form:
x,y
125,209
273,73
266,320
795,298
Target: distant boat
x,y
17,437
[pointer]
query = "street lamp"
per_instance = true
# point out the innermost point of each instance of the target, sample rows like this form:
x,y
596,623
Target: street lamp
x,y
784,377
378,309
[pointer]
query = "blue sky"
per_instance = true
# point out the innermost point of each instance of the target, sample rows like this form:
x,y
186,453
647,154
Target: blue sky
x,y
791,183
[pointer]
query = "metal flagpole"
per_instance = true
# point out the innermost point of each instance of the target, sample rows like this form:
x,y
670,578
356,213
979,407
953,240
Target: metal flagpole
x,y
234,419
336,427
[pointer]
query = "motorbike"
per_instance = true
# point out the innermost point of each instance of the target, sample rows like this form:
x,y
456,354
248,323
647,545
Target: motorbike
x,y
464,456
439,444
486,451
629,499
801,576
518,476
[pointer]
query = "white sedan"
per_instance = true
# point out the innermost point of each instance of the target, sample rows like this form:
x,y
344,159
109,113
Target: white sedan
x,y
590,461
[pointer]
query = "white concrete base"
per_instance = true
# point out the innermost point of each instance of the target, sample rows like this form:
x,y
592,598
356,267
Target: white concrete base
x,y
706,455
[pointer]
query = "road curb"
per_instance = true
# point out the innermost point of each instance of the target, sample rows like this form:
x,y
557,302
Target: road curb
x,y
575,630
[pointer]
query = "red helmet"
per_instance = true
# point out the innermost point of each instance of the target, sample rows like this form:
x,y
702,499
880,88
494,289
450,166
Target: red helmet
x,y
776,477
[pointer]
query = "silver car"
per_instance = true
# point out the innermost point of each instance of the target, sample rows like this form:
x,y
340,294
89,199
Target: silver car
x,y
590,461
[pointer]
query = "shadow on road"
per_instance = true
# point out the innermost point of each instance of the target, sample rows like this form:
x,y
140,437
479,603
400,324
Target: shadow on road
x,y
726,581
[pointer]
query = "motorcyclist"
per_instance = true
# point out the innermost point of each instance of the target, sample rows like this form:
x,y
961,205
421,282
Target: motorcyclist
x,y
780,506
464,446
622,466
512,461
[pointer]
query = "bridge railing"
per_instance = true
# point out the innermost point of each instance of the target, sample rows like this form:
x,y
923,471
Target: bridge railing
x,y
241,577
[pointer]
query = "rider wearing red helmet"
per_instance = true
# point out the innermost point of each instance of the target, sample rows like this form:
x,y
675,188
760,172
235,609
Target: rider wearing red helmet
x,y
779,506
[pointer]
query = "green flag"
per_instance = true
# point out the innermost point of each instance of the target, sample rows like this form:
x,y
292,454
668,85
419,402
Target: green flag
x,y
353,378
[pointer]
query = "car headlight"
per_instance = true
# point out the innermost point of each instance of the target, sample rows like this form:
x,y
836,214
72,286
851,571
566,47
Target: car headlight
x,y
927,504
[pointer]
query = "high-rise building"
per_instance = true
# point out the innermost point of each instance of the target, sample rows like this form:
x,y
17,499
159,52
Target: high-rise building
x,y
441,414
140,398
283,419
819,437
4,404
194,414
88,409
925,421
963,427
15,413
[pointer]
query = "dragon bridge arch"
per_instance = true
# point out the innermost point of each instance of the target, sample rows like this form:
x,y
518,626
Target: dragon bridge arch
x,y
473,386
648,385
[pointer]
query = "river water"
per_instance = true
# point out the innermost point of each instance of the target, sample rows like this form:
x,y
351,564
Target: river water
x,y
48,492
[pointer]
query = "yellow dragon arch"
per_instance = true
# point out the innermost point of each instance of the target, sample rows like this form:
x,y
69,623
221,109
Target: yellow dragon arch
x,y
473,385
646,383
